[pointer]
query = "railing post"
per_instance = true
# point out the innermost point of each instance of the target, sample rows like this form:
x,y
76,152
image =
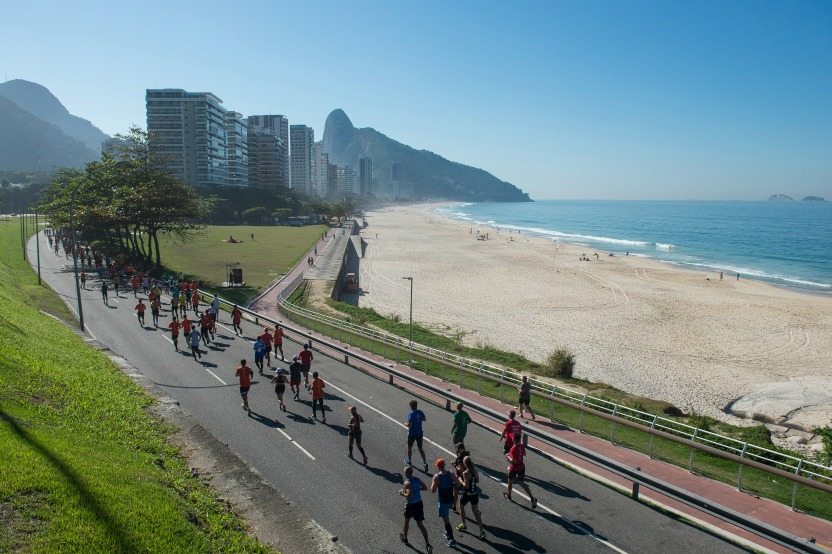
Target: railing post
x,y
652,426
794,487
442,363
612,424
739,467
502,385
552,408
581,413
693,439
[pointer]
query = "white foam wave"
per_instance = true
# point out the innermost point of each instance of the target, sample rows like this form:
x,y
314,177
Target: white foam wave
x,y
571,237
756,273
664,246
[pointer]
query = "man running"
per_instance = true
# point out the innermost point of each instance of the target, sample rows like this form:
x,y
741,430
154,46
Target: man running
x,y
193,336
205,328
460,427
279,381
215,305
510,428
294,377
517,470
414,433
443,484
318,397
414,508
245,374
155,306
185,323
525,397
470,494
174,332
278,342
83,280
140,308
104,292
134,284
305,357
195,302
259,354
116,282
236,317
266,337
355,432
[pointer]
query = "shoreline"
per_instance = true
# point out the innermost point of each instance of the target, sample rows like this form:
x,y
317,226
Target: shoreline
x,y
642,325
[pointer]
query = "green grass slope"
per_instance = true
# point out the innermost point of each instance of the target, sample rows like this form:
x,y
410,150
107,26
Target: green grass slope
x,y
84,467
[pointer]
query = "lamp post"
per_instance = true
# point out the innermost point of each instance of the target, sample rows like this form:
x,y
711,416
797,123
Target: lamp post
x,y
37,243
411,319
75,255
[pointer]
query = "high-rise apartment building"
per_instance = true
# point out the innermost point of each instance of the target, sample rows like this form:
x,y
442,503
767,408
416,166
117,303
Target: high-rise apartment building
x,y
187,134
347,182
365,176
236,146
332,180
320,167
268,147
301,139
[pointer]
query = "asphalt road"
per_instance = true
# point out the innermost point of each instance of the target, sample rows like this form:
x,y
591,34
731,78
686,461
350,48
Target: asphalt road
x,y
307,460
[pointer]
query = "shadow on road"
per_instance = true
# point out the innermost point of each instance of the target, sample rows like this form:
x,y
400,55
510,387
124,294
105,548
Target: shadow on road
x,y
517,542
194,386
268,422
383,473
341,429
553,488
297,418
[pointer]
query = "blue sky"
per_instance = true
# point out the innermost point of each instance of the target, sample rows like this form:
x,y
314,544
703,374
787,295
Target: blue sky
x,y
615,100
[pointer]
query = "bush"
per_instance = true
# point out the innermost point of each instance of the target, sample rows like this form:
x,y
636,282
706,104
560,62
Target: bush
x,y
560,363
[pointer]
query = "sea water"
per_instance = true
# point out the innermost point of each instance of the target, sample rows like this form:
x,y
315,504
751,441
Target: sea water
x,y
783,243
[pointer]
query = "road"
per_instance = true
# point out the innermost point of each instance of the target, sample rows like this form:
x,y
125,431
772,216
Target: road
x,y
307,460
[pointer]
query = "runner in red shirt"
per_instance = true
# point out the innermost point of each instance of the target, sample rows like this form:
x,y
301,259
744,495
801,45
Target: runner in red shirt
x,y
186,325
510,428
278,342
236,317
134,284
305,357
267,340
195,301
517,469
245,374
174,332
140,308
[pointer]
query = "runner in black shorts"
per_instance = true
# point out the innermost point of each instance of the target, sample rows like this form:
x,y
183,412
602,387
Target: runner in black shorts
x,y
415,508
355,432
470,494
279,381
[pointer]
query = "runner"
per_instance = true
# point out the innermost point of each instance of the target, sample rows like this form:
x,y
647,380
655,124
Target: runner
x,y
186,325
414,432
318,386
305,357
157,292
155,306
510,428
460,426
294,377
212,321
266,337
245,374
414,508
140,308
459,468
195,301
259,354
355,432
104,292
470,494
204,328
194,338
443,484
278,342
517,470
83,280
279,381
174,333
134,284
525,396
236,317
183,304
116,282
215,304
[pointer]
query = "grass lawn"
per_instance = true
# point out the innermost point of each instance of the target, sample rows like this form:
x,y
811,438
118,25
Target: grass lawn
x,y
273,251
84,467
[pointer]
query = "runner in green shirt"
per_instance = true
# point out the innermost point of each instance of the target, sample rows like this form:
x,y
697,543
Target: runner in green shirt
x,y
460,427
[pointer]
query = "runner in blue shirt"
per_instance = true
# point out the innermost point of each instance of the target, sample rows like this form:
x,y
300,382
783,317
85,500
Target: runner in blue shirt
x,y
414,433
414,508
259,353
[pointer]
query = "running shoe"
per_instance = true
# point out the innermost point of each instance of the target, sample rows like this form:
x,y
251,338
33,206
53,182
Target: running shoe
x,y
534,503
407,462
451,543
426,468
461,527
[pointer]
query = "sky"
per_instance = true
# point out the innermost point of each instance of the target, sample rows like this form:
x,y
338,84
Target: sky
x,y
566,100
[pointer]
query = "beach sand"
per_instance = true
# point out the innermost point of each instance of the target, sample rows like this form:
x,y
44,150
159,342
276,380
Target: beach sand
x,y
640,325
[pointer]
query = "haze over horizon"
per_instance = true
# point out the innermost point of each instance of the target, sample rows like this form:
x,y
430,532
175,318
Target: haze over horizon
x,y
598,100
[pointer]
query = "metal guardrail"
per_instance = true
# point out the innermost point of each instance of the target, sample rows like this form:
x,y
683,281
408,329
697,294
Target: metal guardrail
x,y
633,474
789,466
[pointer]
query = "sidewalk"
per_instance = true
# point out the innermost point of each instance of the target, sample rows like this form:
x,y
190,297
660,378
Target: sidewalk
x,y
764,510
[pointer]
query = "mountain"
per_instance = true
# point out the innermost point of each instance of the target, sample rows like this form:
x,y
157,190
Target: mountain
x,y
37,100
420,173
780,198
30,143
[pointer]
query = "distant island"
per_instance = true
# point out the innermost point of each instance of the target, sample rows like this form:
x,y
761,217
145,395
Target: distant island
x,y
813,199
786,198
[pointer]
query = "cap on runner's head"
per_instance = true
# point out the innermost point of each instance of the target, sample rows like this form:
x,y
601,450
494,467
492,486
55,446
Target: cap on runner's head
x,y
306,347
295,358
440,463
512,414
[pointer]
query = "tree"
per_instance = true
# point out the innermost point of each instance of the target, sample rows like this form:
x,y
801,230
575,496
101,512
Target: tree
x,y
255,216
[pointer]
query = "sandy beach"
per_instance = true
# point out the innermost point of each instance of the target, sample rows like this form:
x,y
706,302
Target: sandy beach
x,y
641,325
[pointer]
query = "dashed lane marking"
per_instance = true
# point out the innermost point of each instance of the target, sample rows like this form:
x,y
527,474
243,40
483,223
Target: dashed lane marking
x,y
167,338
293,441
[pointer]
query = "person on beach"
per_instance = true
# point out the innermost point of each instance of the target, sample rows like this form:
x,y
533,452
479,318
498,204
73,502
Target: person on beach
x,y
414,422
193,337
470,495
525,396
460,426
174,332
236,317
245,374
354,435
414,507
305,356
259,354
140,308
317,387
279,381
294,377
510,428
517,470
443,485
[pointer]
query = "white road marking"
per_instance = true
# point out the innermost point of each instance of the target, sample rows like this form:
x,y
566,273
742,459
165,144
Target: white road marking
x,y
293,441
167,338
443,449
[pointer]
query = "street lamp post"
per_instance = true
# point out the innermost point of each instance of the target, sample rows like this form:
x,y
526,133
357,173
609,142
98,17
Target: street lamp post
x,y
74,247
37,243
410,343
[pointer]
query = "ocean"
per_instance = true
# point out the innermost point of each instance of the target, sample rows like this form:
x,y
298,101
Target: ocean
x,y
783,243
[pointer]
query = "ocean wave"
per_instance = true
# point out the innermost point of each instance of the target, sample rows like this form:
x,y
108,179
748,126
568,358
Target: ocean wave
x,y
757,274
664,246
574,236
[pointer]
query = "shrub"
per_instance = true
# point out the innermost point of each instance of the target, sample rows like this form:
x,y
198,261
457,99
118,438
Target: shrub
x,y
560,363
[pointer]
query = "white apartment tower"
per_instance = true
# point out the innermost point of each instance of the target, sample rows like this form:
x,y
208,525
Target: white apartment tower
x,y
268,138
236,147
301,139
320,170
187,133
